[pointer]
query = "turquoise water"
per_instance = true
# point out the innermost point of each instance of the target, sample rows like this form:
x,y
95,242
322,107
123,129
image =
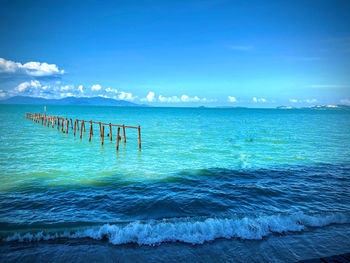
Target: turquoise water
x,y
209,185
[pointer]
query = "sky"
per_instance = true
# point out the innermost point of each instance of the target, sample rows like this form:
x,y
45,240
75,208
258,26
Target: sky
x,y
178,53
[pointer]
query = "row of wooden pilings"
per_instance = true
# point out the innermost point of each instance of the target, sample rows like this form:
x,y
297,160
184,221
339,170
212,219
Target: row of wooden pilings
x,y
49,120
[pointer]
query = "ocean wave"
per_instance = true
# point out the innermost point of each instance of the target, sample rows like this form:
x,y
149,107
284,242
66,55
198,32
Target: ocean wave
x,y
190,230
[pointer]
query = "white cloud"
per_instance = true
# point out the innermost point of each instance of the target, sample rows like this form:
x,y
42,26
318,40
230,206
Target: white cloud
x,y
232,99
255,100
310,100
126,96
67,94
172,99
25,85
96,87
303,101
36,69
183,98
35,89
81,88
150,97
111,90
65,88
2,93
345,101
21,87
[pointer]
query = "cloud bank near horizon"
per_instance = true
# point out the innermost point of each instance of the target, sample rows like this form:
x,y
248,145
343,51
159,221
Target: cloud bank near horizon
x,y
40,79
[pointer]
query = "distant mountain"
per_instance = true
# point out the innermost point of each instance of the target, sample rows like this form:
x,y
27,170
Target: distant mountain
x,y
93,101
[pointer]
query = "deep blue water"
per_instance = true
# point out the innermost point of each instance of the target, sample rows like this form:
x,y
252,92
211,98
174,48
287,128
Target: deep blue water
x,y
210,185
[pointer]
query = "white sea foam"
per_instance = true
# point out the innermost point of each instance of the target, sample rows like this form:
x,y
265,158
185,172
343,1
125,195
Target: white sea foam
x,y
190,230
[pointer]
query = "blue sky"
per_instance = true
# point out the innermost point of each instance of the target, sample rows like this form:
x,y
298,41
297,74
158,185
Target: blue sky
x,y
178,53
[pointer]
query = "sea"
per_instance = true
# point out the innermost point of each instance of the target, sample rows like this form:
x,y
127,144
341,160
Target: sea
x,y
209,185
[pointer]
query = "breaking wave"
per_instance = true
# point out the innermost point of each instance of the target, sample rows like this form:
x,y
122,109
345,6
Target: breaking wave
x,y
189,230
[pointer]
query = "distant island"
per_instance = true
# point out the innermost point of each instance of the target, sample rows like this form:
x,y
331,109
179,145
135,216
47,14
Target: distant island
x,y
92,101
318,107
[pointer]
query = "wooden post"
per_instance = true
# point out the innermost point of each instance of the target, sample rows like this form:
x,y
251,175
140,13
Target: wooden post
x,y
139,128
81,129
118,138
67,126
84,125
62,126
71,123
78,124
124,133
110,131
58,124
75,125
100,127
90,131
102,134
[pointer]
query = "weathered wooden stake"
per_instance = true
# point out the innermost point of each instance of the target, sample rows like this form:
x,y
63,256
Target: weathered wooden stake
x,y
90,131
139,128
110,131
67,126
124,133
78,125
58,124
71,123
81,129
103,134
62,129
75,126
118,138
